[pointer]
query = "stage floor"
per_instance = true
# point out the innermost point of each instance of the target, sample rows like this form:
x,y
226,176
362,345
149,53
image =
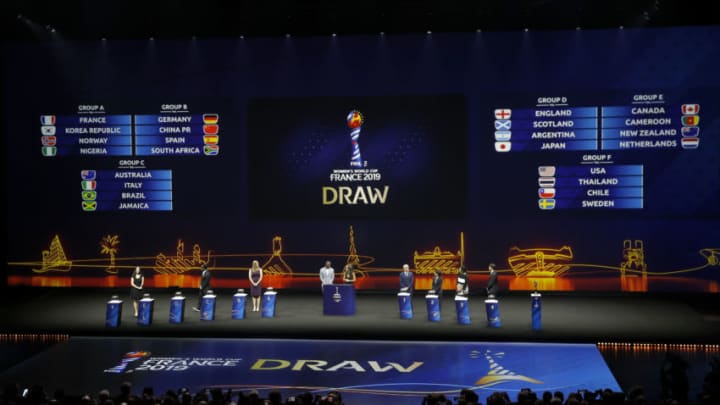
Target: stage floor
x,y
565,318
363,371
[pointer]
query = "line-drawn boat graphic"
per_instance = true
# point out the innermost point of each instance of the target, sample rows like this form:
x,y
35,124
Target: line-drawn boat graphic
x,y
54,259
540,262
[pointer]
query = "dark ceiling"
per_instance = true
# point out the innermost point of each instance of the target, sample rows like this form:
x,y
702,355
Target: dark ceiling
x,y
94,19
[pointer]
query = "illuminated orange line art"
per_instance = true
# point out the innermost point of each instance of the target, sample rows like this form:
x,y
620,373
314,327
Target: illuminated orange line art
x,y
540,262
54,259
109,246
497,373
179,264
276,265
447,262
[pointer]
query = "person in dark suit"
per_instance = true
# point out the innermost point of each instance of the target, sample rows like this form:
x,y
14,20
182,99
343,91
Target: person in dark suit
x,y
492,285
204,284
407,279
437,285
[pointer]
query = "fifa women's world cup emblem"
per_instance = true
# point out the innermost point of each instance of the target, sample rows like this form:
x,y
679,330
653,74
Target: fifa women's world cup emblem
x,y
355,121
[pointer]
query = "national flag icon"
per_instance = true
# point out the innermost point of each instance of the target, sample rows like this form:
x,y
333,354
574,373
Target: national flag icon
x,y
88,174
546,182
211,150
502,135
211,139
210,118
546,171
89,205
49,151
89,195
546,203
48,140
502,146
546,192
503,125
690,120
47,120
503,114
690,143
690,108
211,129
690,131
88,185
47,130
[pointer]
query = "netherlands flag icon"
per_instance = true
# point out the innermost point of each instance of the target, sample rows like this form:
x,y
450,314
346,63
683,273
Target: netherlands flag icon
x,y
47,119
690,143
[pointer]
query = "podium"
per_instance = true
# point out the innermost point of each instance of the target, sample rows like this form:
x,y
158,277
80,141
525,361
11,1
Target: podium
x,y
432,302
177,308
338,299
238,304
145,311
463,310
207,306
268,303
405,305
492,309
113,312
536,310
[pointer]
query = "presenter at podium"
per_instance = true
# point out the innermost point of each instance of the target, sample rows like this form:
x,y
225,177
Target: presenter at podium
x,y
492,285
203,285
136,288
462,287
407,279
349,274
255,274
327,274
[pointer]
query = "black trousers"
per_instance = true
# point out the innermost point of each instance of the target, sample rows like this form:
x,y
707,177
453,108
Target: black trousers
x,y
202,292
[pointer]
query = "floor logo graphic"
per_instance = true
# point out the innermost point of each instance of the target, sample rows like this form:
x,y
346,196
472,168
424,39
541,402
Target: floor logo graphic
x,y
497,373
142,361
128,358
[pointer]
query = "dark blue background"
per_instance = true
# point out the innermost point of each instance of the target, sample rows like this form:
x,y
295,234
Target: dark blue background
x,y
492,70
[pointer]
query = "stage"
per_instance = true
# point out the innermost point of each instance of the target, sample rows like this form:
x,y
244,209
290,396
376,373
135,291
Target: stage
x,y
565,318
363,371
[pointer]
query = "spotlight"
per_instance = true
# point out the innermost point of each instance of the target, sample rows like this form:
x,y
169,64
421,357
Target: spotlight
x,y
382,32
577,28
104,39
152,38
19,16
242,36
621,27
334,34
478,30
527,29
429,32
287,35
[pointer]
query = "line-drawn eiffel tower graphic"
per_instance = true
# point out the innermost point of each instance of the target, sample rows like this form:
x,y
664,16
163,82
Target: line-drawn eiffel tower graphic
x,y
276,265
498,374
353,257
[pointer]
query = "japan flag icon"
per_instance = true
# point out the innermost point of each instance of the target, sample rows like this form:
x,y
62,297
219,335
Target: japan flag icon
x,y
503,146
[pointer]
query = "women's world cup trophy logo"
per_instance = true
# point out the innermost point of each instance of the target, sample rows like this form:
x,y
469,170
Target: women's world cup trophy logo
x,y
355,120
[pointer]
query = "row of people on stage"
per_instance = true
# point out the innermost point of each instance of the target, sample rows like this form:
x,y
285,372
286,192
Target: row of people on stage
x,y
255,275
407,279
327,277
